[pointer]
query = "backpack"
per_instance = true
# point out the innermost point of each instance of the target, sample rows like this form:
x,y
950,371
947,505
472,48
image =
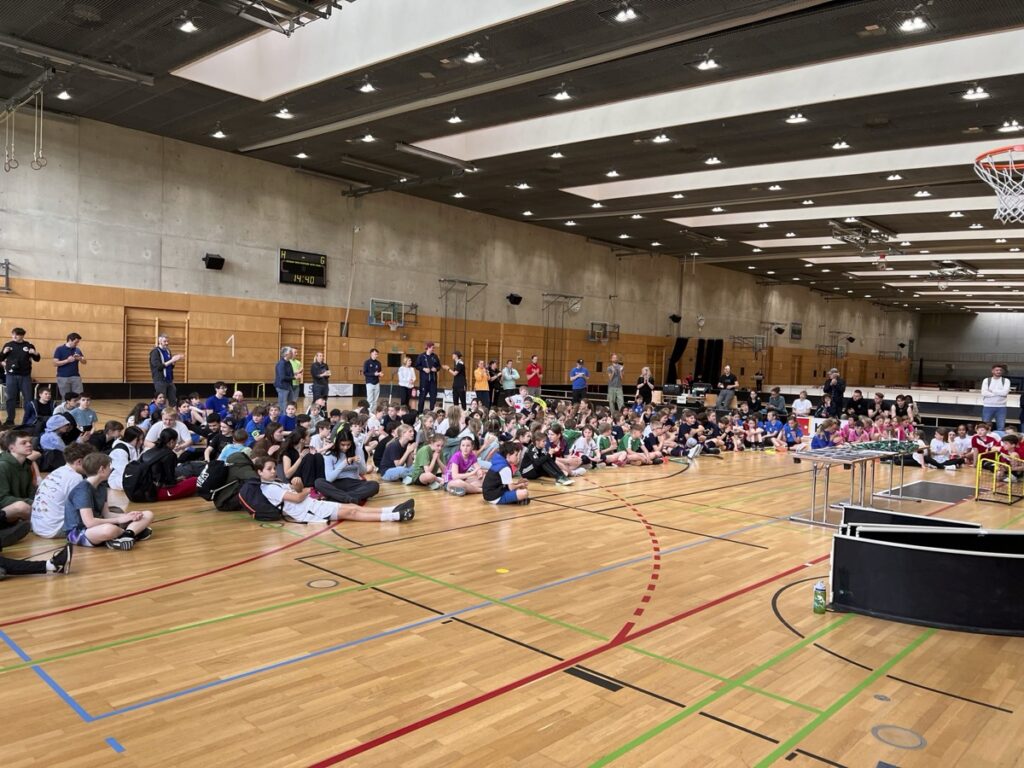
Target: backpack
x,y
211,479
138,481
257,505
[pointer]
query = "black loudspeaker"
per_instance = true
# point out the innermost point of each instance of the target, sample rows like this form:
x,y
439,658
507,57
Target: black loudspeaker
x,y
514,299
394,359
675,318
213,261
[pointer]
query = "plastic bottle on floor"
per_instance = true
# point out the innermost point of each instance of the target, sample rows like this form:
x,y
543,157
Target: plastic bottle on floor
x,y
820,597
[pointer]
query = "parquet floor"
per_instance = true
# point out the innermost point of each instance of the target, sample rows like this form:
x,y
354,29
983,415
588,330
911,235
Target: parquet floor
x,y
655,616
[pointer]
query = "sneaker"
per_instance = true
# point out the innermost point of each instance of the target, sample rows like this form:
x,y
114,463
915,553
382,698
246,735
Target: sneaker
x,y
523,502
696,451
146,533
61,561
563,480
950,468
435,485
406,510
579,472
407,480
122,543
457,491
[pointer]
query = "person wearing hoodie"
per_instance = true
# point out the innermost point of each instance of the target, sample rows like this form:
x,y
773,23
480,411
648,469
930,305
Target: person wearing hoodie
x,y
17,478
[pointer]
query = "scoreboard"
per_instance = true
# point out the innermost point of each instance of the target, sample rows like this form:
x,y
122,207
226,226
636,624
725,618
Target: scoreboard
x,y
301,268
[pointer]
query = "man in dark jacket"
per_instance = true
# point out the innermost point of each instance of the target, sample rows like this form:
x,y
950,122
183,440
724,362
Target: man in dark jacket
x,y
836,388
428,365
161,366
17,356
284,375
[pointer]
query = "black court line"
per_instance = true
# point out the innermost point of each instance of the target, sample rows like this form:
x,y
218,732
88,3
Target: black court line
x,y
588,674
346,538
865,667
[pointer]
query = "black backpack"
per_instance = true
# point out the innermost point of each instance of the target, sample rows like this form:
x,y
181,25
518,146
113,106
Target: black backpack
x,y
138,481
211,479
257,505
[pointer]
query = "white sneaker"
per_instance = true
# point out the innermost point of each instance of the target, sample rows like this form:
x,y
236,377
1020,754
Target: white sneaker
x,y
950,468
696,451
579,472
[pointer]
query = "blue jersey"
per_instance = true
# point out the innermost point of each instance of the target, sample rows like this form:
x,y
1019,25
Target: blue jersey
x,y
770,426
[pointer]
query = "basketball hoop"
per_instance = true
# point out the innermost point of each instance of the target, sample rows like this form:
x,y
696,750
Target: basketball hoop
x,y
604,340
393,325
1003,170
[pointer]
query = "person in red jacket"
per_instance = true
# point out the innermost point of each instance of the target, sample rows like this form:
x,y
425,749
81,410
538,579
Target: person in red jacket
x,y
534,375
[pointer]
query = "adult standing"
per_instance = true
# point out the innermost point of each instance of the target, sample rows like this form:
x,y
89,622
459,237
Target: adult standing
x,y
645,385
482,384
67,357
835,388
534,375
428,365
578,377
616,400
296,362
321,374
161,366
406,380
458,371
284,378
994,391
17,356
372,369
509,377
726,389
758,380
494,382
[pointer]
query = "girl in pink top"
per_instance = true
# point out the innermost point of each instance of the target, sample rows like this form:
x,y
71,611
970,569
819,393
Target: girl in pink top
x,y
849,430
462,475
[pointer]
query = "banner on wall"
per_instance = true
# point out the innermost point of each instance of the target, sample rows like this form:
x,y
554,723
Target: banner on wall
x,y
333,390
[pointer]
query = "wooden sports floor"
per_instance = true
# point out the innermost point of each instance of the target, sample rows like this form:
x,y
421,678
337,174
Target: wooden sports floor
x,y
656,616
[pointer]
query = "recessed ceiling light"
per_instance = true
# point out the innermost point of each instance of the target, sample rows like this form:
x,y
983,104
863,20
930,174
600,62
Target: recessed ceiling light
x,y
522,185
459,195
893,177
366,86
64,95
527,213
474,57
626,14
636,216
796,118
956,215
655,244
922,193
763,225
925,251
284,114
807,202
218,133
775,188
718,209
186,25
454,118
826,247
976,225
612,174
905,243
302,156
597,205
368,138
849,291
751,267
719,239
712,161
707,63
757,250
473,169
791,234
796,279
695,253
1000,240
661,138
836,288
850,220
561,94
840,144
975,93
1009,126
678,196
556,155
623,237
826,270
770,272
1015,250
914,23
570,223
867,295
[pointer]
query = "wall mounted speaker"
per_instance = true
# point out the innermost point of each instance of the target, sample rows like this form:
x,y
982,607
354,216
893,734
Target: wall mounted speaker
x,y
675,318
514,299
213,261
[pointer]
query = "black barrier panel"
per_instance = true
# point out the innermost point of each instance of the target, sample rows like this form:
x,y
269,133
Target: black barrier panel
x,y
936,588
871,516
1002,542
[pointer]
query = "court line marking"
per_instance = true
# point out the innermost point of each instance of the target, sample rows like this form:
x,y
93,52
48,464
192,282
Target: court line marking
x,y
45,677
843,700
165,585
115,744
694,708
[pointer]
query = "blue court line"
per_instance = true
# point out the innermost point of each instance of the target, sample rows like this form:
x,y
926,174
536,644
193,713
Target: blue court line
x,y
115,744
403,628
45,676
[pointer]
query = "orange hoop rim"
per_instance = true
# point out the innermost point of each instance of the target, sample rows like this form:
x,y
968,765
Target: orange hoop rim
x,y
984,159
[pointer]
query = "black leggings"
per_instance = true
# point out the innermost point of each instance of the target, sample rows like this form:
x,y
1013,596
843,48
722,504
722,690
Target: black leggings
x,y
459,396
543,466
21,567
347,490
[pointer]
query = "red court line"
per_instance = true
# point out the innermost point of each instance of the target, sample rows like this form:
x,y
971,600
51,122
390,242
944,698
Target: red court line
x,y
115,598
533,677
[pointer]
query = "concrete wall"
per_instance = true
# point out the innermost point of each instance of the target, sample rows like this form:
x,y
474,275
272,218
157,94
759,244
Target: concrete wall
x,y
965,346
124,208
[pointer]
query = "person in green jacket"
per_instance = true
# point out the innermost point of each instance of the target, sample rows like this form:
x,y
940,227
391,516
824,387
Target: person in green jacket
x,y
17,479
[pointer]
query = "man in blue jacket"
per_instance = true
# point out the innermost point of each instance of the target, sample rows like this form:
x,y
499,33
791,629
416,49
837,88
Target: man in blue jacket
x,y
428,365
283,378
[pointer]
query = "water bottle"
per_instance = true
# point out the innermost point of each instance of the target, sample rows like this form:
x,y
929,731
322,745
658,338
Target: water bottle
x,y
820,597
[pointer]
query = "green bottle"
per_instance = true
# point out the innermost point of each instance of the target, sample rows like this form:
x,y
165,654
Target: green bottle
x,y
820,597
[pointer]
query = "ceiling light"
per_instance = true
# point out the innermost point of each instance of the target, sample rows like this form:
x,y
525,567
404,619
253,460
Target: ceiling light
x,y
770,272
597,205
922,193
556,155
712,161
366,86
796,118
791,234
807,202
570,223
522,185
914,23
284,114
302,156
751,267
956,215
774,188
826,271
612,174
1009,126
661,138
718,209
695,253
1000,239
707,63
893,177
850,220
459,195
840,144
623,237
636,216
527,213
64,95
562,94
626,14
976,225
473,57
757,250
763,225
368,138
678,196
186,25
867,295
454,118
719,239
826,247
797,279
1015,250
975,93
905,243
849,291
655,244
218,133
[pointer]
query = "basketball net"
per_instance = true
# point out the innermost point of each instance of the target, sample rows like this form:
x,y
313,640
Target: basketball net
x,y
1003,170
393,325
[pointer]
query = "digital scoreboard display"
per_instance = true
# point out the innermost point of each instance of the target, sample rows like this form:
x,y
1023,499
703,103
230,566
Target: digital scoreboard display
x,y
301,268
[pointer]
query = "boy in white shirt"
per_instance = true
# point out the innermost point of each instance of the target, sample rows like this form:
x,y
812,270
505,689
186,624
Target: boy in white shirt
x,y
802,406
122,452
53,492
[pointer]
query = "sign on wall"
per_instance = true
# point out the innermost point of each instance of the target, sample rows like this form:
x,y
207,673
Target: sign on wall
x,y
796,331
301,268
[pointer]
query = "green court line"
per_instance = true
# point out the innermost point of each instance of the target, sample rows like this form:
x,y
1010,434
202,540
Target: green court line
x,y
195,625
730,686
554,621
842,701
1011,522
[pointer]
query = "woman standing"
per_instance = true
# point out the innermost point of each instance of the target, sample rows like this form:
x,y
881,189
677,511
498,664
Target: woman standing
x,y
406,380
645,385
458,372
321,374
481,384
494,383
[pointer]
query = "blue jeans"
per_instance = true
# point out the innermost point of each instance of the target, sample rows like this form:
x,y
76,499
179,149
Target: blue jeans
x,y
395,474
989,413
284,395
17,384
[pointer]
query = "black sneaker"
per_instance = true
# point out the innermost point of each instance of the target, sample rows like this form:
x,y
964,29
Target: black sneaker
x,y
146,533
406,510
123,543
61,561
3,574
523,502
